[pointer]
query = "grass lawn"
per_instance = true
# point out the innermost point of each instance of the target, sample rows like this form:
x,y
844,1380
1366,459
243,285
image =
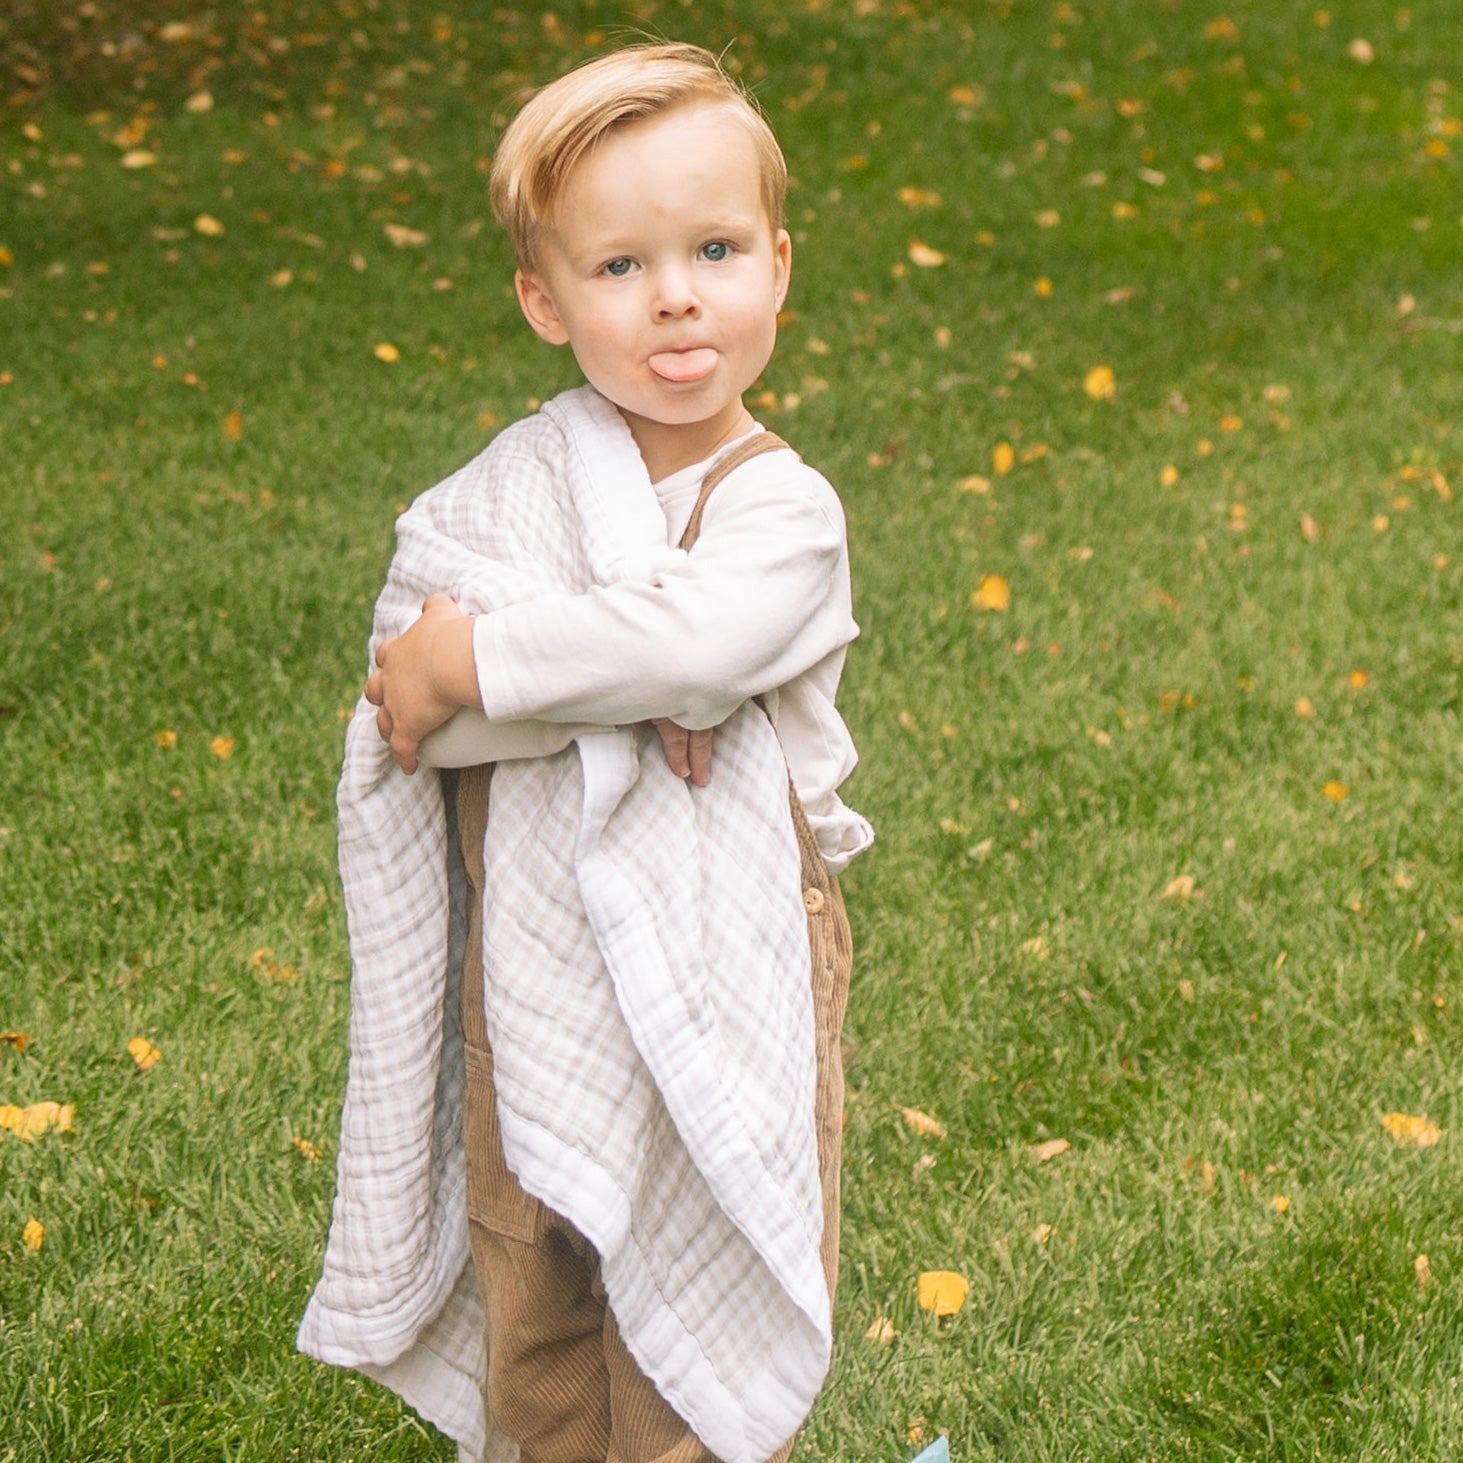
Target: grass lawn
x,y
1143,320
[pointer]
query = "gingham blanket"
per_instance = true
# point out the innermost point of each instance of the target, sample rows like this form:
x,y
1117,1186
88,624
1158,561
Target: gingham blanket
x,y
647,995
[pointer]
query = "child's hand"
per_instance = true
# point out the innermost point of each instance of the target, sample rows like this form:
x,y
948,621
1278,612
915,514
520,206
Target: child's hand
x,y
424,677
688,753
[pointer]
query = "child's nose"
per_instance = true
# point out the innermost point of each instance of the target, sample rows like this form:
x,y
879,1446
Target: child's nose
x,y
675,295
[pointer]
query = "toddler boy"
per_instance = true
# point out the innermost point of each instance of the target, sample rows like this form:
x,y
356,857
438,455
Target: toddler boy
x,y
598,983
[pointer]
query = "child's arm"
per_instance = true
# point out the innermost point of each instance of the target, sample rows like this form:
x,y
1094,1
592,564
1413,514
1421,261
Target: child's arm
x,y
762,599
427,675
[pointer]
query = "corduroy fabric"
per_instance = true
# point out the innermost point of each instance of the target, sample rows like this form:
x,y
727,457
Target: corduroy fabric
x,y
560,1381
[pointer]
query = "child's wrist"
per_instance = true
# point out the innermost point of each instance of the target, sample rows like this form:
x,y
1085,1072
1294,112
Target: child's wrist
x,y
454,666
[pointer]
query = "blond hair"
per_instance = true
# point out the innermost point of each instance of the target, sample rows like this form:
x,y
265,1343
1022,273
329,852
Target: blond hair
x,y
562,122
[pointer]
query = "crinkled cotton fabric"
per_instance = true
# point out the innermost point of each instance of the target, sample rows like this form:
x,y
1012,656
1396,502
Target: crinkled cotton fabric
x,y
648,1000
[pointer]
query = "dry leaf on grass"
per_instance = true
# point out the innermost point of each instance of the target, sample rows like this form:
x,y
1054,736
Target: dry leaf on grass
x,y
1412,1132
992,593
922,1122
144,1053
29,1123
942,1291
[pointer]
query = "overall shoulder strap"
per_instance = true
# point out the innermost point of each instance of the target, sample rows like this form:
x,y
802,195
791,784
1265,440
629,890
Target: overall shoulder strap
x,y
753,446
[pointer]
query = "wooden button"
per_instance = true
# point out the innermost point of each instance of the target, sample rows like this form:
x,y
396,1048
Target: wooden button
x,y
813,901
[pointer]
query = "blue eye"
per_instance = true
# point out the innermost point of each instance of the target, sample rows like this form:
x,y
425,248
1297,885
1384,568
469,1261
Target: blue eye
x,y
619,268
717,252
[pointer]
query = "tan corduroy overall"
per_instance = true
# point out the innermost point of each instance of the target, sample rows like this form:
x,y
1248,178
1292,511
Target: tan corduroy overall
x,y
560,1380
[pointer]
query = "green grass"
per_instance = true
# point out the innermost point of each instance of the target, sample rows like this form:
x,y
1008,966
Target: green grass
x,y
1038,778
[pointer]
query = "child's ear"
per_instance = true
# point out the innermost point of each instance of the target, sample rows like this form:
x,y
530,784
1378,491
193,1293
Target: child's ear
x,y
782,254
538,308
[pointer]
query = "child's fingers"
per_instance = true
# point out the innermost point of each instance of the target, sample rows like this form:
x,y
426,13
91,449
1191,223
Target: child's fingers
x,y
673,740
698,756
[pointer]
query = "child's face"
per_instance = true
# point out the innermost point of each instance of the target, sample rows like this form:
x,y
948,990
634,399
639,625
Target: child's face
x,y
661,270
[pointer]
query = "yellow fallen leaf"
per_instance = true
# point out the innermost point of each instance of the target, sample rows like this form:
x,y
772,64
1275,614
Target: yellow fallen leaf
x,y
1280,1204
922,1122
1412,1132
29,1123
33,1236
207,225
1338,792
919,198
309,1151
1423,1269
386,352
132,133
1003,458
882,1332
1043,288
138,157
144,1053
222,748
1180,887
1052,1148
942,1291
18,1039
405,238
166,739
7,259
1100,383
200,101
1357,680
1310,530
233,427
976,484
992,593
1169,476
1042,1233
1305,709
922,255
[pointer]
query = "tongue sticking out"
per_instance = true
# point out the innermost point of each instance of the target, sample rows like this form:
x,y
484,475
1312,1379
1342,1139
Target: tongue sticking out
x,y
689,365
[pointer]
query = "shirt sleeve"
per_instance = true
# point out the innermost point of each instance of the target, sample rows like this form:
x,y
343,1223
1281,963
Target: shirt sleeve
x,y
761,598
469,738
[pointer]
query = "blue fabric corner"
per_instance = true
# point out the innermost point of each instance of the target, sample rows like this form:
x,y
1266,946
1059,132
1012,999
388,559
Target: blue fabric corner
x,y
937,1452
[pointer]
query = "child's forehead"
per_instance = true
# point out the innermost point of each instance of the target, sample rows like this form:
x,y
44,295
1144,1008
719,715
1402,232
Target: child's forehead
x,y
714,118
699,146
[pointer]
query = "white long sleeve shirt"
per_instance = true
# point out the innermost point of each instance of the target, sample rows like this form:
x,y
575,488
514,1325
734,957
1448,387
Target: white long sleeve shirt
x,y
760,607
